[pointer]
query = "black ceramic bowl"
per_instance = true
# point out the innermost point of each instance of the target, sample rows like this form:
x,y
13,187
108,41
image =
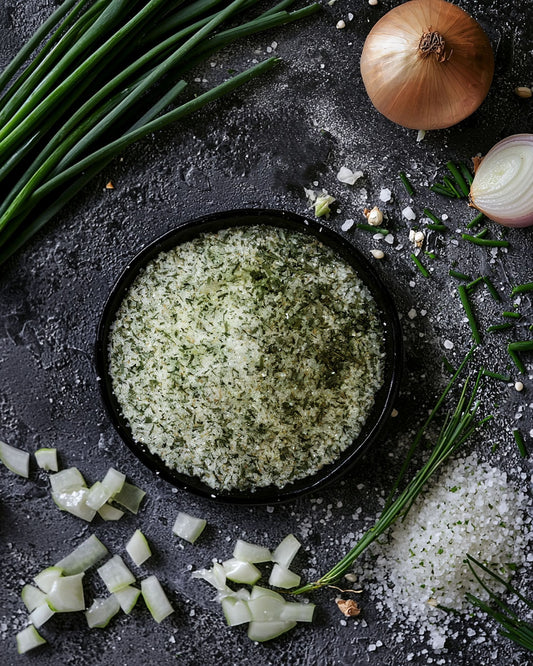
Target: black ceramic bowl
x,y
384,398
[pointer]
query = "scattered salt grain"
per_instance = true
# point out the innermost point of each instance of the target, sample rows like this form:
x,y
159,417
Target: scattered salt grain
x,y
347,225
408,213
385,195
341,25
412,313
348,176
448,344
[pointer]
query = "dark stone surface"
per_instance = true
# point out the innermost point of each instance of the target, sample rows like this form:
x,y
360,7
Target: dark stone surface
x,y
258,148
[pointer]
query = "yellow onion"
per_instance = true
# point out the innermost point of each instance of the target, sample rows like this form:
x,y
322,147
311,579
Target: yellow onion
x,y
427,64
502,188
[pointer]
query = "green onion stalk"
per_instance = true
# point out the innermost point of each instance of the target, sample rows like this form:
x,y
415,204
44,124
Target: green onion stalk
x,y
457,428
99,75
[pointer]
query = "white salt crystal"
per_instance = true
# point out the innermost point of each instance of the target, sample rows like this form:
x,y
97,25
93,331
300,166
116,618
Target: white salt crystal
x,y
408,213
385,194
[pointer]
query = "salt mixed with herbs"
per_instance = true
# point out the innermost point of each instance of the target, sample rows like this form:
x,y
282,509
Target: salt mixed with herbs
x,y
471,509
248,357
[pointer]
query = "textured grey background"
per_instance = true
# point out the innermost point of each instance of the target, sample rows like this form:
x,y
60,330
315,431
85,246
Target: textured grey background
x,y
259,148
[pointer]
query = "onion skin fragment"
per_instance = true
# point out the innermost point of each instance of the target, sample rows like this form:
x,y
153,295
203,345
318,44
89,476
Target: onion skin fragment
x,y
502,188
427,89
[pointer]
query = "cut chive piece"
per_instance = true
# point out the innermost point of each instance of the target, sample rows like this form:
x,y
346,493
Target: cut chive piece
x,y
495,328
463,295
520,443
130,497
138,548
66,595
155,599
47,459
441,189
449,367
28,639
127,598
419,265
516,359
522,288
87,554
458,177
465,171
431,216
406,183
475,282
475,221
16,460
524,345
101,611
496,375
491,288
369,227
115,574
188,527
459,275
511,315
452,187
488,242
437,227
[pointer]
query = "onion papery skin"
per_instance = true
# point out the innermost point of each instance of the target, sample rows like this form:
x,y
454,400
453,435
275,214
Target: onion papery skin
x,y
502,188
427,93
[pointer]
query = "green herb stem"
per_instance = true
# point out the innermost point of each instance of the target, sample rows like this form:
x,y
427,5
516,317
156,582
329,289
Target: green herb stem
x,y
496,375
419,265
459,179
522,288
475,221
491,288
520,443
407,183
459,275
371,228
463,295
487,242
496,328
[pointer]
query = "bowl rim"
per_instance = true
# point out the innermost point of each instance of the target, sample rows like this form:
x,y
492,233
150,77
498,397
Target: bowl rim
x,y
343,247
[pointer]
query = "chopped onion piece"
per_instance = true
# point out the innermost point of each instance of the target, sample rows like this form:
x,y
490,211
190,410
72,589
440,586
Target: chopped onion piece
x,y
67,480
130,497
266,631
108,512
114,481
47,577
138,548
236,611
502,188
250,552
75,502
283,577
216,576
155,598
66,594
97,496
47,459
14,459
116,574
258,591
348,176
32,597
40,615
266,608
188,527
28,638
286,551
241,572
296,612
101,611
88,553
127,598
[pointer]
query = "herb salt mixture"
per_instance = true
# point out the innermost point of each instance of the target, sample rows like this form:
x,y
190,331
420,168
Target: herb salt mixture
x,y
248,357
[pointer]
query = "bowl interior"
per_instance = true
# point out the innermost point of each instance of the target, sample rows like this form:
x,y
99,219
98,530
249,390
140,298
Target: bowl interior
x,y
384,398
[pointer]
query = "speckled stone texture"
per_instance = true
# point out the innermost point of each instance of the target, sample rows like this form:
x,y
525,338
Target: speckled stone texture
x,y
260,147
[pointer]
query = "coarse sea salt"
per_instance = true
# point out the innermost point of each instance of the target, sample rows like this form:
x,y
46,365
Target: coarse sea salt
x,y
471,508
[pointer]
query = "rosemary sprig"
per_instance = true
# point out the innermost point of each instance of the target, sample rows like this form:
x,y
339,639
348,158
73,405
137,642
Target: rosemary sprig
x,y
456,429
512,627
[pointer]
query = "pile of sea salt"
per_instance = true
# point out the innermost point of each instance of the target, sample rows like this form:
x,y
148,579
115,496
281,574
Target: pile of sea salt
x,y
471,508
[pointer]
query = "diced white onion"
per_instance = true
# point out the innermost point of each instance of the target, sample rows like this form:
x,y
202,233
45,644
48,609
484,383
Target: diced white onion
x,y
236,611
97,496
47,459
283,577
47,577
130,497
28,638
101,611
138,548
32,597
14,459
108,512
188,527
74,502
127,598
259,591
296,612
266,631
216,576
286,551
155,599
115,574
66,594
114,481
88,553
40,615
241,572
67,480
265,608
250,552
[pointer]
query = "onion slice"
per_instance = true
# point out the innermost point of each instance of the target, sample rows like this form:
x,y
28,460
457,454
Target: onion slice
x,y
14,459
28,638
502,188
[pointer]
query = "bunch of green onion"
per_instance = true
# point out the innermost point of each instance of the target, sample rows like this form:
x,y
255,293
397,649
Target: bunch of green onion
x,y
97,76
